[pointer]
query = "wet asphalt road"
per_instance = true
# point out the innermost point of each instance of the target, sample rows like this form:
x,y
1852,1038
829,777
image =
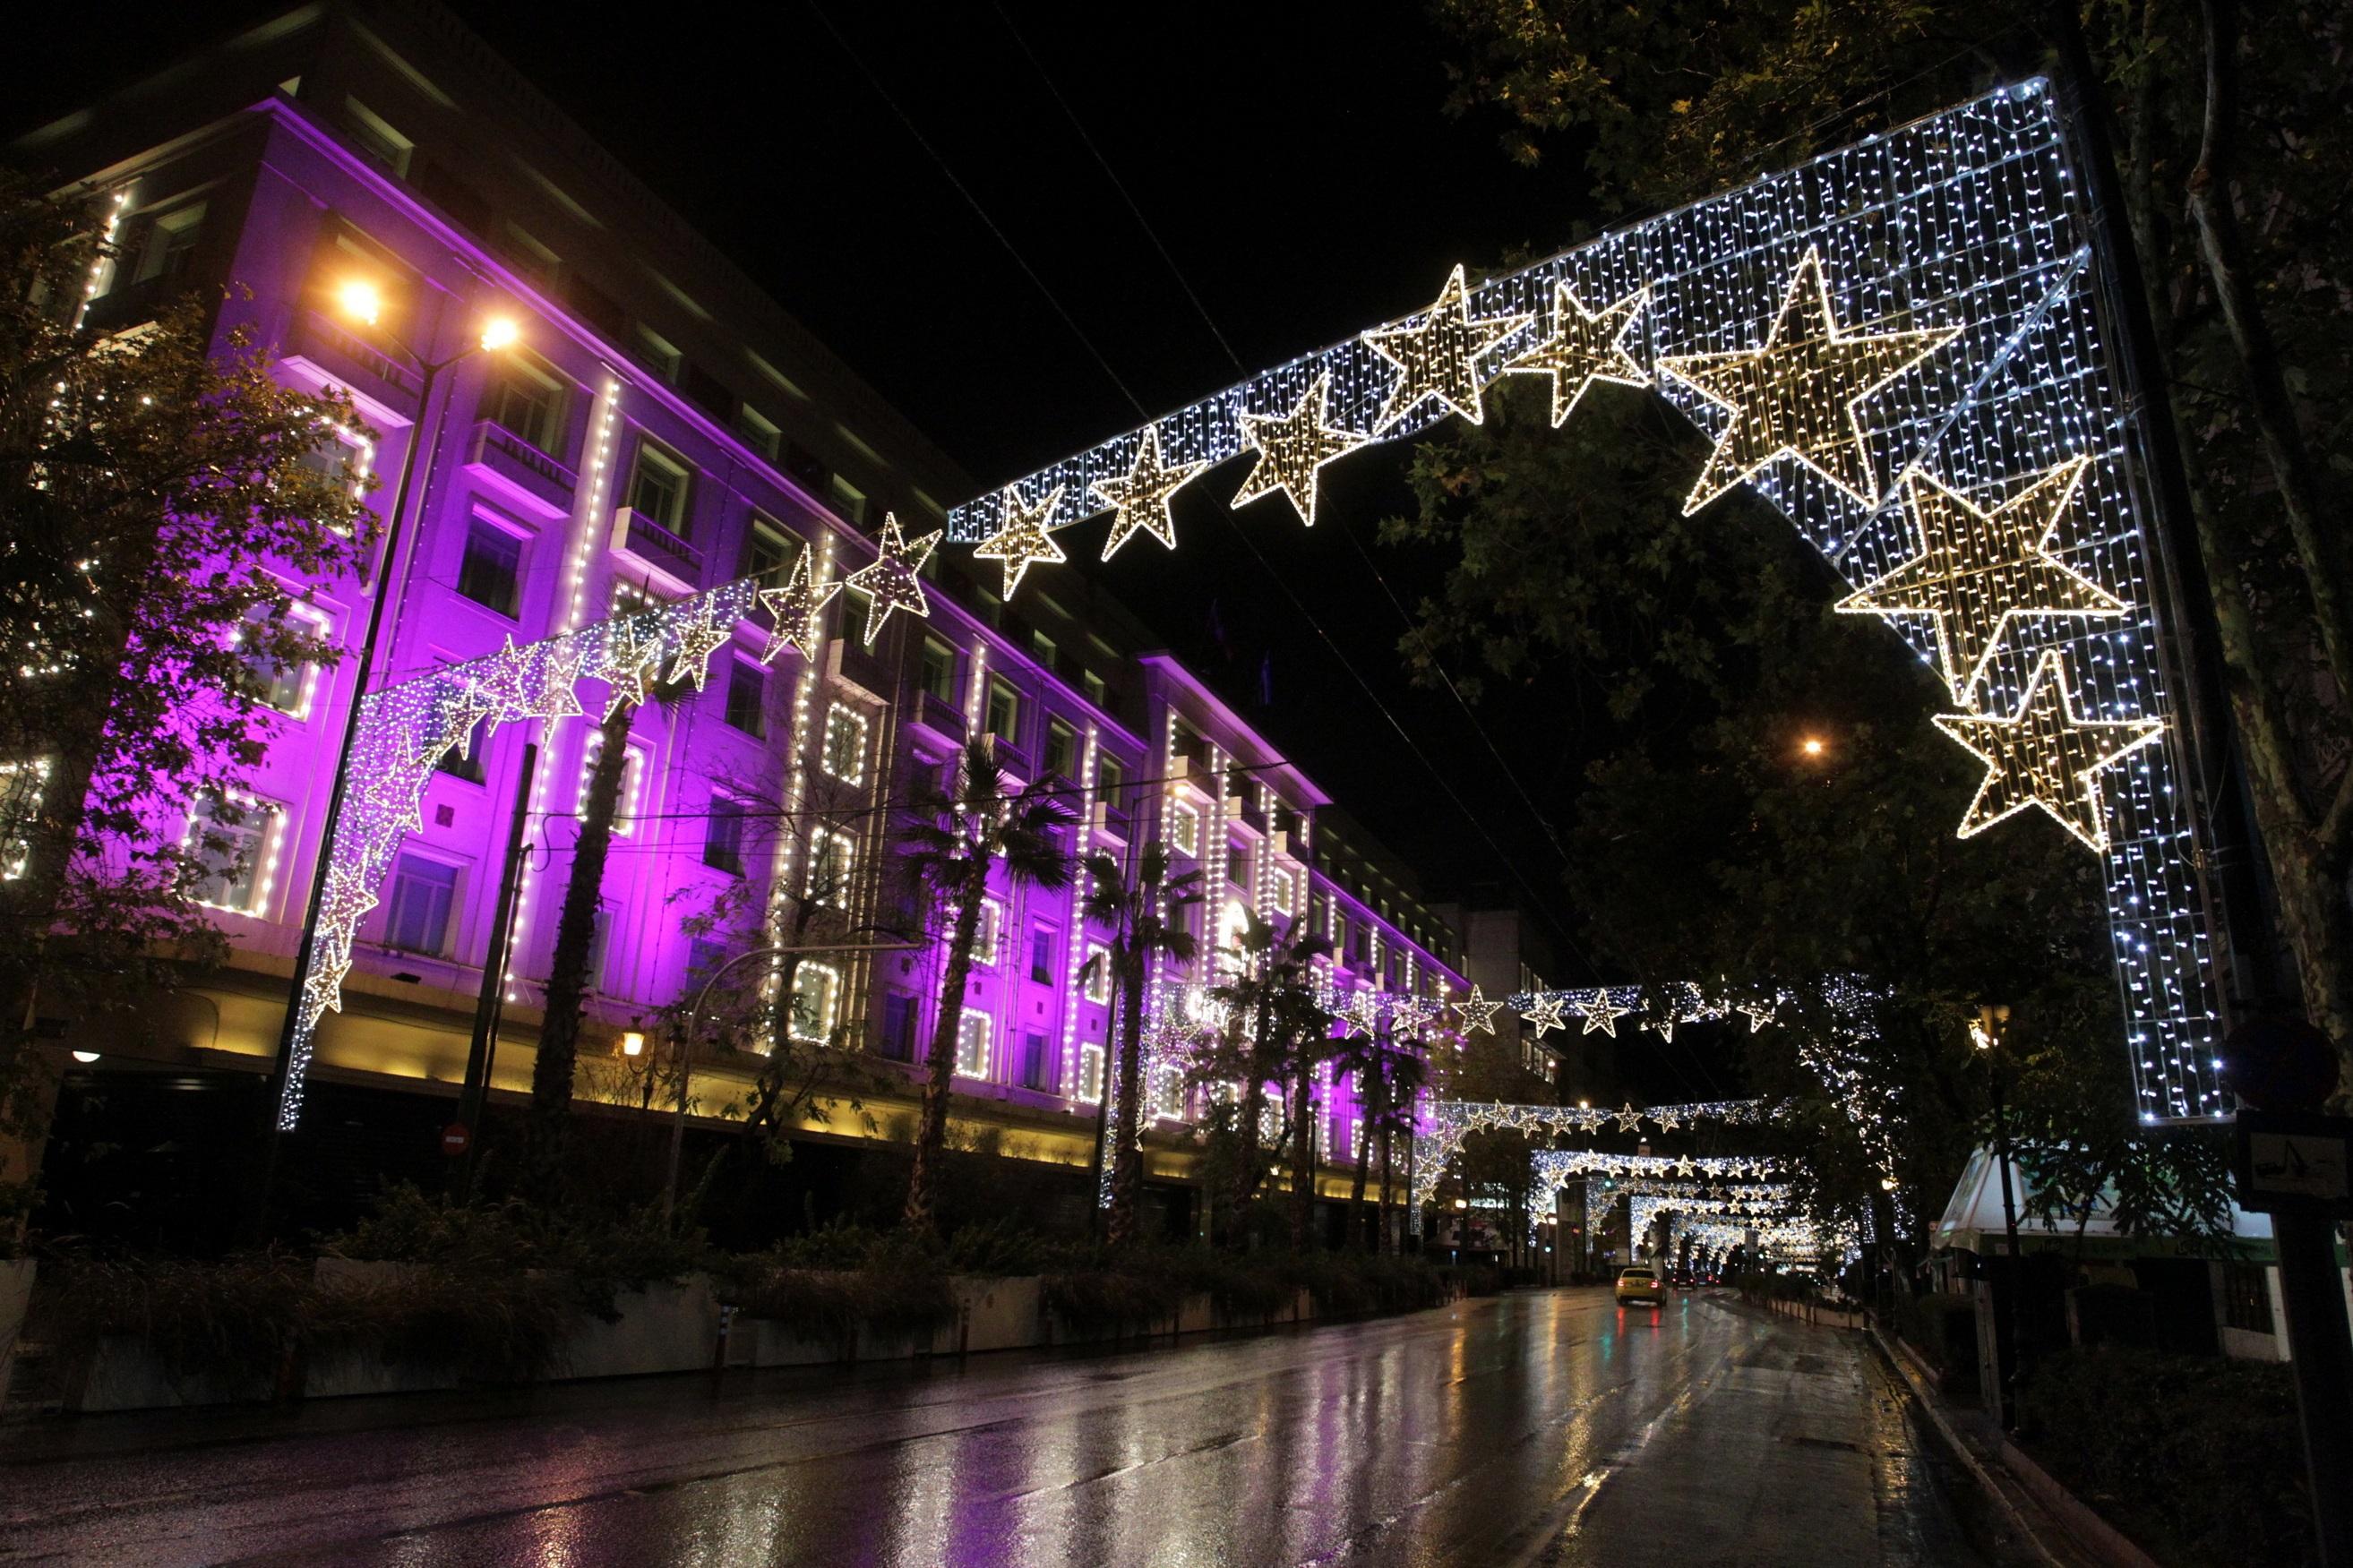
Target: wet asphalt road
x,y
1547,1428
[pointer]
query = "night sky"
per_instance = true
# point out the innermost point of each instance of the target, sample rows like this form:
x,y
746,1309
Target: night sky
x,y
1294,160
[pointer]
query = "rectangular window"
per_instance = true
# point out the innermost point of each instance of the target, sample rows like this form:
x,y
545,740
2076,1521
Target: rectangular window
x,y
491,568
897,1040
1092,685
759,432
1061,748
1110,778
1282,891
1041,955
817,1002
662,356
526,400
624,803
274,680
985,934
376,136
832,859
845,744
1098,973
972,1045
1037,1063
704,958
658,489
939,670
2246,1297
1238,865
1041,647
722,836
1185,829
418,914
1005,712
748,697
848,499
529,256
229,845
1091,1073
769,553
170,244
21,784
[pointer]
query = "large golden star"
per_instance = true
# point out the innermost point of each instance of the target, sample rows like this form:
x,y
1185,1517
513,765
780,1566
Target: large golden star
x,y
1021,541
2046,755
1292,448
631,662
1978,571
698,637
795,609
1141,499
1583,348
890,581
1437,353
1797,394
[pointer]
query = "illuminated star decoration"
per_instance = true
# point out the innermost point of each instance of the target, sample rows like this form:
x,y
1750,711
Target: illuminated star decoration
x,y
1668,1120
697,639
553,675
1407,1018
1544,1015
1362,1015
1629,1119
1583,348
456,728
502,689
1437,354
795,607
1759,1012
1292,448
1664,1023
628,665
1797,393
322,992
1978,571
345,899
1021,541
890,580
1140,500
1478,1013
2046,755
1603,1014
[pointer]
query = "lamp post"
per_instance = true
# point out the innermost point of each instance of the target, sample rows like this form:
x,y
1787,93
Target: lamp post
x,y
1986,1035
360,301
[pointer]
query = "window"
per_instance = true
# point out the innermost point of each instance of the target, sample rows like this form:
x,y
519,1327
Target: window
x,y
526,399
1004,712
376,136
985,933
417,919
1092,685
469,758
1238,865
939,670
630,599
1091,1073
661,354
1098,973
972,1045
769,553
1061,748
1110,778
658,489
722,836
1168,1094
848,499
832,858
845,744
529,255
170,244
1037,1063
624,803
493,566
1282,891
1185,829
229,845
274,680
1041,955
898,1041
20,805
704,959
817,1001
748,697
1042,647
2246,1297
759,432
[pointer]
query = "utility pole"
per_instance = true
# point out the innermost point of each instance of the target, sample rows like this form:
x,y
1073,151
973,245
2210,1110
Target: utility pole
x,y
490,1001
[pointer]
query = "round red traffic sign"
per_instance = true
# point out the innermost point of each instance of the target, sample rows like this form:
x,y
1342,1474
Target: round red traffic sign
x,y
456,1137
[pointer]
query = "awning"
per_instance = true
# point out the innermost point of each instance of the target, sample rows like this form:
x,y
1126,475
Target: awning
x,y
1973,1223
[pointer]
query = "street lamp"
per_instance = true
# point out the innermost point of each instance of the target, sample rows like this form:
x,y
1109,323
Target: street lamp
x,y
359,300
1985,1035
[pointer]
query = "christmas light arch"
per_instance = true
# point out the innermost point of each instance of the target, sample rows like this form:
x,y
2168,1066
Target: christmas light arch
x,y
1898,345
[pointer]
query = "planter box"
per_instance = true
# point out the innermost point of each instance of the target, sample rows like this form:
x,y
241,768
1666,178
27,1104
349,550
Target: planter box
x,y
126,1374
997,1314
662,1328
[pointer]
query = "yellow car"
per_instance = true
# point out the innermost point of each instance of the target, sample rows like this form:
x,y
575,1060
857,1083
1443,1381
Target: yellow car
x,y
1640,1285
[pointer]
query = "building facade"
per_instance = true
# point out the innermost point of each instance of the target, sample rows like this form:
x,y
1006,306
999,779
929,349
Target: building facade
x,y
375,189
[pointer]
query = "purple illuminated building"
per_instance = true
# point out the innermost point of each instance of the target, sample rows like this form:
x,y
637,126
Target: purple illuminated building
x,y
661,429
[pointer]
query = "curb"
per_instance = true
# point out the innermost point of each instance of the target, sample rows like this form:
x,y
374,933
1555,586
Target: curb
x,y
1924,1393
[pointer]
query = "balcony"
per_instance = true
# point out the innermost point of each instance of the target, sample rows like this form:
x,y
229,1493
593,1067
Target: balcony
x,y
938,715
520,472
344,358
1112,822
647,545
1010,757
847,658
1247,810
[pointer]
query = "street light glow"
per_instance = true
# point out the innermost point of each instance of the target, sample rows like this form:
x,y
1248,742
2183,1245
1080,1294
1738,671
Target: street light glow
x,y
501,332
633,1044
360,299
1812,746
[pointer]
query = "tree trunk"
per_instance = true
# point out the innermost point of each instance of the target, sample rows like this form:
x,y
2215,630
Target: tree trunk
x,y
567,974
1126,1151
1303,1151
1388,1233
1246,1177
1368,1093
939,1065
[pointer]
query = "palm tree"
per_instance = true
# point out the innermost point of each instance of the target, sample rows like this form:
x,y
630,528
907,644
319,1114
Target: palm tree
x,y
1304,1027
1272,992
957,838
1407,1072
1367,1064
1144,917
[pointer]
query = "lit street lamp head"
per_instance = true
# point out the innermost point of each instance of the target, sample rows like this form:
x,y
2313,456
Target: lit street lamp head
x,y
501,332
360,299
1812,747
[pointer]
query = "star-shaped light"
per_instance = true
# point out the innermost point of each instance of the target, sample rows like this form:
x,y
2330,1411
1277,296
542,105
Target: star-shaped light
x,y
501,685
698,637
795,609
1140,500
891,581
1629,1119
1603,1014
1798,394
1759,1013
1979,571
554,677
1544,1015
1409,1016
2047,755
322,991
1664,1023
1292,448
454,726
1583,348
344,900
1021,541
1361,1016
629,664
1684,1167
1478,1013
1437,353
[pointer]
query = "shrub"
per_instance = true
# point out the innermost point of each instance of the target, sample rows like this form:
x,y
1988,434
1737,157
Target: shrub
x,y
506,1327
237,1319
2199,1458
831,1283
